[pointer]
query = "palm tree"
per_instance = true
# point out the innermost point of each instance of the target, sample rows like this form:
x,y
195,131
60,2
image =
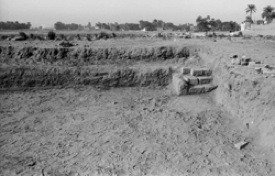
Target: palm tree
x,y
268,12
251,8
203,23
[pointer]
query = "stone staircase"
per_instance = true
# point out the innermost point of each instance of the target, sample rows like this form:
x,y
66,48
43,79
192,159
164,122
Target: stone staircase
x,y
187,81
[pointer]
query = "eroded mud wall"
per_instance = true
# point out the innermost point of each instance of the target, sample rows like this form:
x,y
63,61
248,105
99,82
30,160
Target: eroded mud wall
x,y
83,56
35,77
79,66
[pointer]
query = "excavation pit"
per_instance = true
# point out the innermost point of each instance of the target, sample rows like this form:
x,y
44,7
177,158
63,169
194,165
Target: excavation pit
x,y
118,115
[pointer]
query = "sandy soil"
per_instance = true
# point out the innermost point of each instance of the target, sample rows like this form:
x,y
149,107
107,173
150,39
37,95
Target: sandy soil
x,y
121,132
142,131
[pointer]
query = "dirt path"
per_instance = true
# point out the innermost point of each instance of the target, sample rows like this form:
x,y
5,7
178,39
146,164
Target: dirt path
x,y
121,132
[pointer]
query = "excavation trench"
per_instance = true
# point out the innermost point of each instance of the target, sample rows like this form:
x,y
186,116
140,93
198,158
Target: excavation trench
x,y
130,131
243,95
70,67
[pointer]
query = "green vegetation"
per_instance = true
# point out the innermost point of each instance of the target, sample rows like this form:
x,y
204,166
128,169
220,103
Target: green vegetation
x,y
268,13
147,25
73,26
251,8
207,24
10,25
202,24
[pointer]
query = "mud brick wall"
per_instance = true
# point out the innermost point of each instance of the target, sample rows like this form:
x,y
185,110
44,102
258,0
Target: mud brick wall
x,y
29,76
85,56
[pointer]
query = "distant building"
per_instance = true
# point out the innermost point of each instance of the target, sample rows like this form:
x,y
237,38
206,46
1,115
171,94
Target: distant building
x,y
245,26
259,22
268,27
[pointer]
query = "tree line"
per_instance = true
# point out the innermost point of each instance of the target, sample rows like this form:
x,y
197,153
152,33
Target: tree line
x,y
118,27
210,24
73,26
147,25
10,25
159,24
268,13
203,24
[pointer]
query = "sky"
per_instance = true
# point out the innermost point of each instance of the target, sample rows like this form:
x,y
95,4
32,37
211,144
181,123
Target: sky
x,y
47,12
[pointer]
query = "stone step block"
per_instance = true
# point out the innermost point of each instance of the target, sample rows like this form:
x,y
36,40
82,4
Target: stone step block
x,y
185,70
198,89
191,80
201,72
179,85
205,79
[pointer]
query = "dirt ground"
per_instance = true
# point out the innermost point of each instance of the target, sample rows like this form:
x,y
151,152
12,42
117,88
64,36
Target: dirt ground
x,y
147,131
131,131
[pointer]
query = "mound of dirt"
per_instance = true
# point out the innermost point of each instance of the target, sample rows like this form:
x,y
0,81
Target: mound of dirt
x,y
246,93
251,99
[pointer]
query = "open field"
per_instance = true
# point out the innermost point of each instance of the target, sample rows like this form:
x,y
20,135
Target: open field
x,y
260,32
107,107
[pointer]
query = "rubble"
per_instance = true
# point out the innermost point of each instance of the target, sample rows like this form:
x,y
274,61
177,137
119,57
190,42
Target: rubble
x,y
245,60
259,67
240,145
